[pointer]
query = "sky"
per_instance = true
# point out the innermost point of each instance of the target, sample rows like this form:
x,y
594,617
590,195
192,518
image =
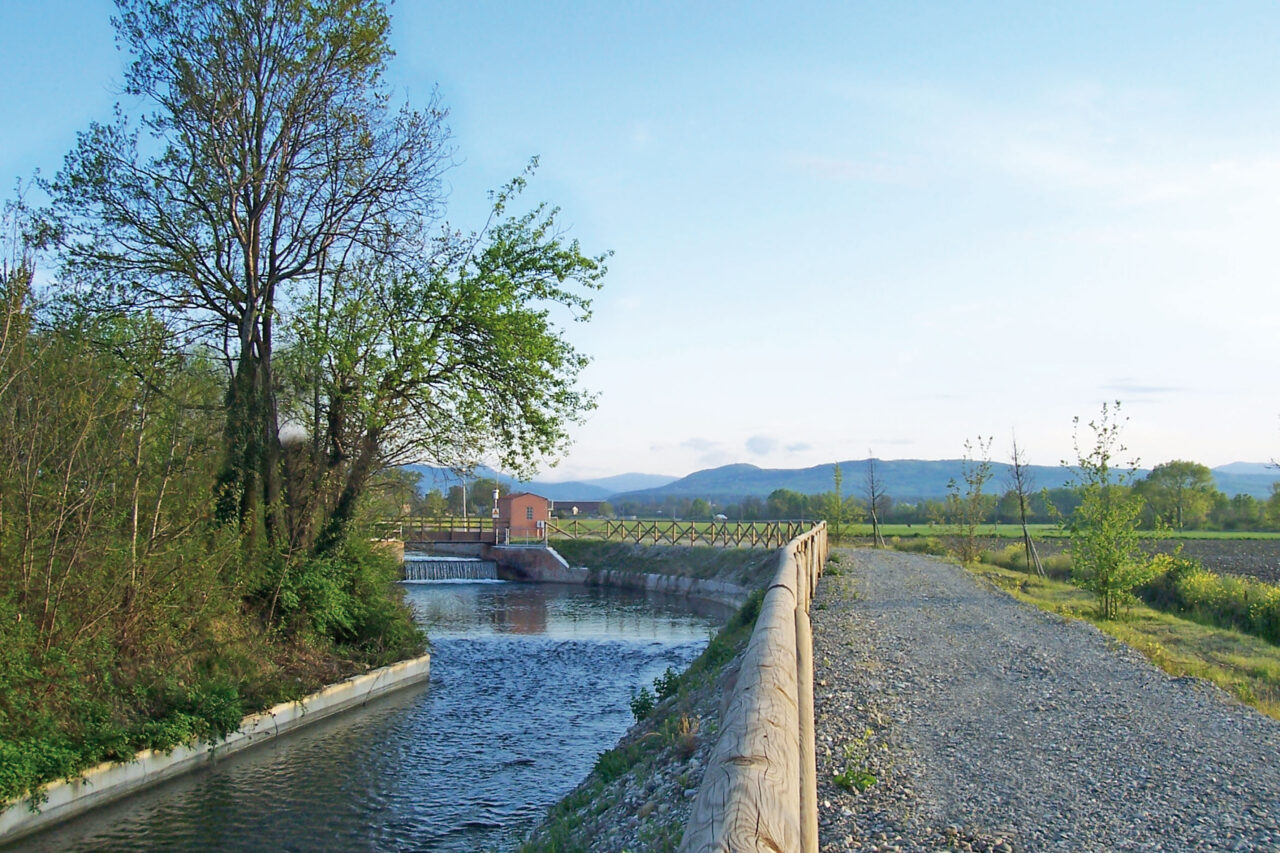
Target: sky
x,y
850,228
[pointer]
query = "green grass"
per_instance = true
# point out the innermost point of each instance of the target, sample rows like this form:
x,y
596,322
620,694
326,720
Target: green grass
x,y
1245,666
986,531
749,567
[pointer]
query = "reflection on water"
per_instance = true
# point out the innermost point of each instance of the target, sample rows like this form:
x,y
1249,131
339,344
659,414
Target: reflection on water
x,y
528,684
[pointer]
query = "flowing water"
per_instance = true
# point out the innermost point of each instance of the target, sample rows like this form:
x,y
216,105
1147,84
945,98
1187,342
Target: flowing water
x,y
528,684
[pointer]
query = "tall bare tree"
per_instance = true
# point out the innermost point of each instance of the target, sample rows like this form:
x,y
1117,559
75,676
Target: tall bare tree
x,y
874,492
1021,484
270,153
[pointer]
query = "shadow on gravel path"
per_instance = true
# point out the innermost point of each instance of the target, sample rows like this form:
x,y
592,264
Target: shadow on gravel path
x,y
959,718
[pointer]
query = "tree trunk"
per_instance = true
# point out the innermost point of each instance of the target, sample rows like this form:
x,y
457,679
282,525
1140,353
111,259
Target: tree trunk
x,y
335,527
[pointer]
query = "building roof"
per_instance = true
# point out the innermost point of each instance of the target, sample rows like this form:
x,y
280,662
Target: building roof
x,y
521,495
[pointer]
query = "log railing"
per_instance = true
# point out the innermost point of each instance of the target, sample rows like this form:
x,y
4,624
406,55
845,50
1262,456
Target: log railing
x,y
759,791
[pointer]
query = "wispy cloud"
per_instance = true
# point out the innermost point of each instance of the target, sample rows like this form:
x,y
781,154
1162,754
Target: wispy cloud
x,y
1130,387
761,445
706,452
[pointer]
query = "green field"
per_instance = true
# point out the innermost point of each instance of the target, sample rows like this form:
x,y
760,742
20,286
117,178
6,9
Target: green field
x,y
848,530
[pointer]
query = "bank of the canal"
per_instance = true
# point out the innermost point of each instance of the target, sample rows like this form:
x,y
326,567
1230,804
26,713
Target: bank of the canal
x,y
65,799
516,631
640,794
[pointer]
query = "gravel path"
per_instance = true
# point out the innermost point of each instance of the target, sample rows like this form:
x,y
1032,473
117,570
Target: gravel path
x,y
975,722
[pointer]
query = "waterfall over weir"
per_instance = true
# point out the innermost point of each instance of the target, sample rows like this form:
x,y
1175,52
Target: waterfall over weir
x,y
420,567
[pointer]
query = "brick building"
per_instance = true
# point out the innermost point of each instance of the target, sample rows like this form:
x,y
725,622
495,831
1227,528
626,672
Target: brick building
x,y
520,514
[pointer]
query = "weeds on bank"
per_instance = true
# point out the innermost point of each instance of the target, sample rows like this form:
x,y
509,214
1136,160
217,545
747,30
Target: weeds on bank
x,y
856,776
673,736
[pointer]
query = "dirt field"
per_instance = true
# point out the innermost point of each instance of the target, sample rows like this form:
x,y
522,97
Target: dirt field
x,y
1254,558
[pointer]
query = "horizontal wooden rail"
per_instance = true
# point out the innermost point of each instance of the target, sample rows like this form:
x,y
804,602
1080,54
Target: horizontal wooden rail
x,y
724,534
759,791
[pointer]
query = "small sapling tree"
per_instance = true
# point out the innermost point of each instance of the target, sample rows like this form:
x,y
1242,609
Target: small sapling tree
x,y
969,505
1021,484
836,512
1105,556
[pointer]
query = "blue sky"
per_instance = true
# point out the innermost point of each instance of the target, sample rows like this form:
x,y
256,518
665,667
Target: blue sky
x,y
843,227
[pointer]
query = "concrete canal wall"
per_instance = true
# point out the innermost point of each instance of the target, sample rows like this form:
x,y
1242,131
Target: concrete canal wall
x,y
540,564
108,782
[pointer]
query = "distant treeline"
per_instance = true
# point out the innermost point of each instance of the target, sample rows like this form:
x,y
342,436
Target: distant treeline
x,y
1179,495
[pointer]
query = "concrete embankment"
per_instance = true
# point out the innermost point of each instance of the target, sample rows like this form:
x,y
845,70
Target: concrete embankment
x,y
105,783
724,576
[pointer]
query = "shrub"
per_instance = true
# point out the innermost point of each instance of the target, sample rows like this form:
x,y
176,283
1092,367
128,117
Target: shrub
x,y
920,545
667,684
1229,602
642,704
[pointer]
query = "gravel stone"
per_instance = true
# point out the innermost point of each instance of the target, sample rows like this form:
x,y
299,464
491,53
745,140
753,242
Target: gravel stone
x,y
962,719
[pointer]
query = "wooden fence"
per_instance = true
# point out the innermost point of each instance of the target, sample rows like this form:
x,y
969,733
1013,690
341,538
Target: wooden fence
x,y
443,529
759,791
724,534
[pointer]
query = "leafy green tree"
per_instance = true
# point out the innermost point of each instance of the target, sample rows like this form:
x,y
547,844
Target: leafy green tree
x,y
785,503
699,509
606,509
281,213
480,495
1271,509
1179,493
1105,554
452,358
1242,512
456,500
434,504
274,151
750,508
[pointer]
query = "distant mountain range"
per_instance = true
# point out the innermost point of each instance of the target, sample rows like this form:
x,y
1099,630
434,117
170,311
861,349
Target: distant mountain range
x,y
601,489
904,480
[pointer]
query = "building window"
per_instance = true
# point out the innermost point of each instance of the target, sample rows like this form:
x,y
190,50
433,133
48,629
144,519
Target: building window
x,y
528,513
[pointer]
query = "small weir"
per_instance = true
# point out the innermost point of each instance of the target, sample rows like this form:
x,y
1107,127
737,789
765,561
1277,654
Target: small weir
x,y
427,567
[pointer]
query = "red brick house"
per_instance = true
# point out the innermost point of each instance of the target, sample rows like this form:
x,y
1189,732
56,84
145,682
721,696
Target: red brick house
x,y
523,514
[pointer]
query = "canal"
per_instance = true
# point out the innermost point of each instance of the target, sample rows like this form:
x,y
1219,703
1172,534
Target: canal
x,y
529,683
